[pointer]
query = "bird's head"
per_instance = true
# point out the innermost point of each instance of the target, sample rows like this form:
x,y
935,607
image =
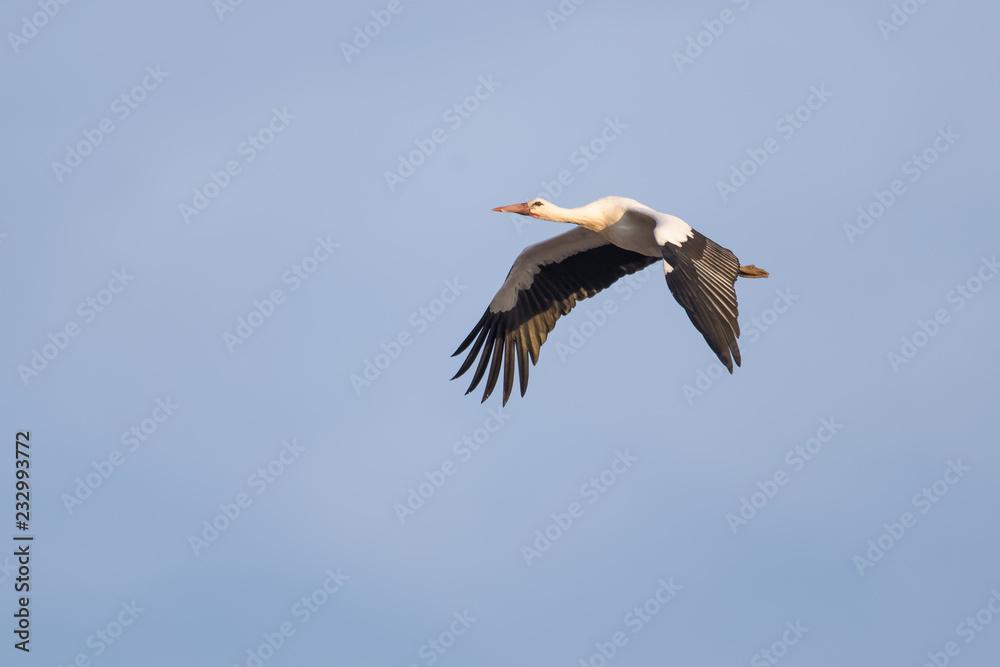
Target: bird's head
x,y
536,208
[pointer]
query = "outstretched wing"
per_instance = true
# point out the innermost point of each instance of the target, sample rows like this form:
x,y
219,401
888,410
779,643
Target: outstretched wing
x,y
546,281
701,275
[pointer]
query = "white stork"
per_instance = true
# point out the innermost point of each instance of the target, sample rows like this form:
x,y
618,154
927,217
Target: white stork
x,y
615,237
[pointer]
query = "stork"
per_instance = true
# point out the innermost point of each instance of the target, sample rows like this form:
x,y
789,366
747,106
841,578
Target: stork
x,y
614,237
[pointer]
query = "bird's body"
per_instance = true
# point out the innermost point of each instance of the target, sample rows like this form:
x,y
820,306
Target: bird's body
x,y
633,233
615,237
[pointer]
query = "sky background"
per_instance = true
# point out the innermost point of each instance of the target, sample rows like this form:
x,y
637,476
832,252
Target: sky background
x,y
837,340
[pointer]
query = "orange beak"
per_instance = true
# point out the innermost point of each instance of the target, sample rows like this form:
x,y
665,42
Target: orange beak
x,y
522,209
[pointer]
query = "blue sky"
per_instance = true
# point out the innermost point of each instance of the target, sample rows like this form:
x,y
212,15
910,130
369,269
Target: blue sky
x,y
217,222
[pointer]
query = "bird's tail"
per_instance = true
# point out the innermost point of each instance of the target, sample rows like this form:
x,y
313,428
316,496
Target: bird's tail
x,y
751,271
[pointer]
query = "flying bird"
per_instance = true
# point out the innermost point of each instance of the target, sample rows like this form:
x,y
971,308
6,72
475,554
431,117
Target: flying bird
x,y
614,237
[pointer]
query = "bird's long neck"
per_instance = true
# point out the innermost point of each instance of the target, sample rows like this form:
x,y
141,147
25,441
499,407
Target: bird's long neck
x,y
591,216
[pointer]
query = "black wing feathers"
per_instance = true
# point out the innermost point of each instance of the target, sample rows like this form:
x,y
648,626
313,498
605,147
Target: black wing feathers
x,y
553,292
702,281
